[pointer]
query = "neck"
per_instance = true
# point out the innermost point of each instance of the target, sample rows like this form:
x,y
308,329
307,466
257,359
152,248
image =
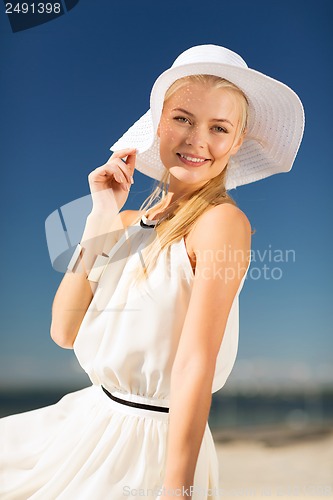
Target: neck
x,y
178,189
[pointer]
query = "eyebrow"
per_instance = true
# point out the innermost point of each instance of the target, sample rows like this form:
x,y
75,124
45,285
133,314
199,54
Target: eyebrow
x,y
223,120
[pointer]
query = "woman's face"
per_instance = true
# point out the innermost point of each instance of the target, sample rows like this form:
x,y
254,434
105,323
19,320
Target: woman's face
x,y
197,132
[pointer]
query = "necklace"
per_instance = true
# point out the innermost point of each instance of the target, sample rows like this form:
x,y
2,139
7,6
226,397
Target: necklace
x,y
145,222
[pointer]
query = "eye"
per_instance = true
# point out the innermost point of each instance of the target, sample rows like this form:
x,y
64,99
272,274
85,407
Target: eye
x,y
220,130
181,119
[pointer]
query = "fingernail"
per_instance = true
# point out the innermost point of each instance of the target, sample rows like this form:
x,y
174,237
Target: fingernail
x,y
128,187
132,180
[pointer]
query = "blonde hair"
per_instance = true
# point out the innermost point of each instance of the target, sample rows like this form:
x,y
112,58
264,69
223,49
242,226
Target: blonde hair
x,y
181,215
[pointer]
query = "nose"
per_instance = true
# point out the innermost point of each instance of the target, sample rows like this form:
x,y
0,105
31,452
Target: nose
x,y
196,137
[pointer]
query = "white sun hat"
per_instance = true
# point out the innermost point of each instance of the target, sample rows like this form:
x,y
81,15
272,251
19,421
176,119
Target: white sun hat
x,y
275,124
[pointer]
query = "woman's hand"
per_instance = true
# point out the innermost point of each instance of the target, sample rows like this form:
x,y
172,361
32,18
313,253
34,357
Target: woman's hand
x,y
110,183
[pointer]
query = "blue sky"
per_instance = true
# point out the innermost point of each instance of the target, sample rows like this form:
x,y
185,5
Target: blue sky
x,y
72,86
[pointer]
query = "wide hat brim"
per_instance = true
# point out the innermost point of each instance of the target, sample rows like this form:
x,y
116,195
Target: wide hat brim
x,y
275,125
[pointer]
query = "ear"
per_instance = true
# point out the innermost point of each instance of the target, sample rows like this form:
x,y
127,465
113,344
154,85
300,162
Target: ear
x,y
237,144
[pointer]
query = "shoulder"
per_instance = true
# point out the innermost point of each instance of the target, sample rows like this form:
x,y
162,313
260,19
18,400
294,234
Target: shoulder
x,y
224,216
224,223
128,217
124,219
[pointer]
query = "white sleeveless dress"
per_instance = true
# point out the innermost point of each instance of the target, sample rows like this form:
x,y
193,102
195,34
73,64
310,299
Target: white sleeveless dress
x,y
89,446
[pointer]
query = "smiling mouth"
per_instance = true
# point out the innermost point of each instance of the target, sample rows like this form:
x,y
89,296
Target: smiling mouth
x,y
192,159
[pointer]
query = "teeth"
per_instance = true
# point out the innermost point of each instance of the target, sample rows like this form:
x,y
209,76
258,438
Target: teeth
x,y
194,160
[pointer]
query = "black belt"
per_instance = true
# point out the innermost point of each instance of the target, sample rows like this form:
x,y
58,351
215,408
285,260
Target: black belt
x,y
136,405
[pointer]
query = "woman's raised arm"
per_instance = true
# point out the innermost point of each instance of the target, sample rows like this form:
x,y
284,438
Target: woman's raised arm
x,y
109,186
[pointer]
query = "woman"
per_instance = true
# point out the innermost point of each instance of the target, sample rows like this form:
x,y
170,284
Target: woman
x,y
150,300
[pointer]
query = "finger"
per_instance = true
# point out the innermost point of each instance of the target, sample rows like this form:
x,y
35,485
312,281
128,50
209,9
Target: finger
x,y
130,164
122,174
107,170
122,153
126,171
130,161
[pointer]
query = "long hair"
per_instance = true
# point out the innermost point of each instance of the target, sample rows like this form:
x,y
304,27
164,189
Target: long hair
x,y
180,216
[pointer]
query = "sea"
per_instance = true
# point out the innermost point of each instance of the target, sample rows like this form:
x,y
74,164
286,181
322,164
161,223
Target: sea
x,y
229,410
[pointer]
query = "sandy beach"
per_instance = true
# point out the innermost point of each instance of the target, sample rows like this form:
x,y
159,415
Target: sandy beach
x,y
276,463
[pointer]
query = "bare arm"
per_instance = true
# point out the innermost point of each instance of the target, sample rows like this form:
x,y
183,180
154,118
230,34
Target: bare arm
x,y
215,285
75,292
109,186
